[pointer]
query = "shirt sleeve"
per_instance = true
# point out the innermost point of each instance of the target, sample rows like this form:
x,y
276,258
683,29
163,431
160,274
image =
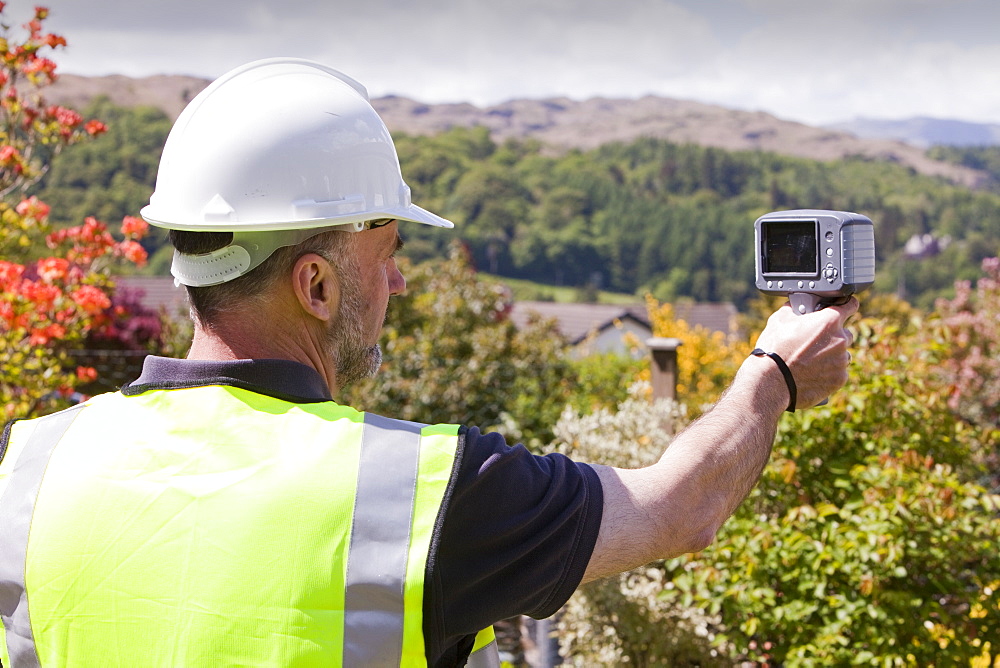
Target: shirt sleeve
x,y
514,536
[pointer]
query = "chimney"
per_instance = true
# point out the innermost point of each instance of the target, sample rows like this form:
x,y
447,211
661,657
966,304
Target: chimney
x,y
664,366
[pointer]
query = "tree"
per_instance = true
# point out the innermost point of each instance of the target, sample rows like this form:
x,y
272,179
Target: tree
x,y
54,289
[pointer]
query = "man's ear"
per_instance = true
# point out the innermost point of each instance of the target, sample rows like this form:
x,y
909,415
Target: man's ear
x,y
316,287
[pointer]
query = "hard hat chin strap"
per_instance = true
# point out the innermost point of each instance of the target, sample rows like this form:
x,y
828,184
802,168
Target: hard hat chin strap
x,y
246,252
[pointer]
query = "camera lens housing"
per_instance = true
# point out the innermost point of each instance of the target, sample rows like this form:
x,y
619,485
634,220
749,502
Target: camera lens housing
x,y
815,257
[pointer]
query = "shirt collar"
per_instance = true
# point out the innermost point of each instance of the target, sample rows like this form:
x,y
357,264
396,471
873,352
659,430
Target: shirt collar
x,y
283,379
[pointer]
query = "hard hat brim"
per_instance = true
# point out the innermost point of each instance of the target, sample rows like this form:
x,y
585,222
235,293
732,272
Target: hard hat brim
x,y
411,213
416,214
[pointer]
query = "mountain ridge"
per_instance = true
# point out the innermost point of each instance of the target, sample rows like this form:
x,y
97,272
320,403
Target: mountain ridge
x,y
564,123
923,131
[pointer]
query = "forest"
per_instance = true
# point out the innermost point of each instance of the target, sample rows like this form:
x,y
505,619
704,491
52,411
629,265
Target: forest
x,y
647,217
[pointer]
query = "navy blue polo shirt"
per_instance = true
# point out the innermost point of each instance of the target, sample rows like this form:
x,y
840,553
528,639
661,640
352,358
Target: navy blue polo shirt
x,y
515,532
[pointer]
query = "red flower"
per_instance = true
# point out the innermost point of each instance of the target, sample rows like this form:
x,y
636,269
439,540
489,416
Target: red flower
x,y
55,238
95,127
40,65
8,155
92,228
33,207
53,40
52,269
86,374
134,227
30,114
65,117
133,252
7,315
42,295
91,299
10,273
41,336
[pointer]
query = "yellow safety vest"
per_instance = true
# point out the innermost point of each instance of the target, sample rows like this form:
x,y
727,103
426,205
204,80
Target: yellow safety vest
x,y
215,526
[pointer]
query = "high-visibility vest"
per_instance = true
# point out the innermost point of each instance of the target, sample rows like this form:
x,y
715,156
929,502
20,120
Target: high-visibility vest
x,y
215,526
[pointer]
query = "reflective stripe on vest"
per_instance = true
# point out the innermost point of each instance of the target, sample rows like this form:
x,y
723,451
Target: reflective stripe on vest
x,y
380,540
485,653
16,506
389,538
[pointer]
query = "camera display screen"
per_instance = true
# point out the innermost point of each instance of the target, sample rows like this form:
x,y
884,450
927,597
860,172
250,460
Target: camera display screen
x,y
789,247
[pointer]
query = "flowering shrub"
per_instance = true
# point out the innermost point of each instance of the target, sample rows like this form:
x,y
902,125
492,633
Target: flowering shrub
x,y
622,620
48,304
706,360
972,360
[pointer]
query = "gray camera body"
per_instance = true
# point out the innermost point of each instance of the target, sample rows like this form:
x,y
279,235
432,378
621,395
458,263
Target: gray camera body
x,y
816,257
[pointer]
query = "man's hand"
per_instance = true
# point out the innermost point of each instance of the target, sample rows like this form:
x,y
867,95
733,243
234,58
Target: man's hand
x,y
814,346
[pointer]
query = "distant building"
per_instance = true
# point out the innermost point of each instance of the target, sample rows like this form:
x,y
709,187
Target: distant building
x,y
156,292
600,328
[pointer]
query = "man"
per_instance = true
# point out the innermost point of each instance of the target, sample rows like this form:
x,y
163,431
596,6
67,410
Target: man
x,y
223,509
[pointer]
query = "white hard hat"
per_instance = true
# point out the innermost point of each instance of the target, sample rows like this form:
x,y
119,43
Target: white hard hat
x,y
280,144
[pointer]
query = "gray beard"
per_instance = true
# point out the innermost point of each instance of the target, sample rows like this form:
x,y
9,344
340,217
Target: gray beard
x,y
353,359
357,364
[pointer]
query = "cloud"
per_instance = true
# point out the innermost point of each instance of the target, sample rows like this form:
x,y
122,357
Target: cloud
x,y
853,67
817,62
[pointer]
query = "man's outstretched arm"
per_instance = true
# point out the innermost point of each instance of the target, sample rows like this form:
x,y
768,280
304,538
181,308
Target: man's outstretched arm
x,y
678,504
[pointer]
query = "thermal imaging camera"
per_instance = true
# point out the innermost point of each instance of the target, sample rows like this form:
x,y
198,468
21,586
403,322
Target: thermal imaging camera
x,y
817,258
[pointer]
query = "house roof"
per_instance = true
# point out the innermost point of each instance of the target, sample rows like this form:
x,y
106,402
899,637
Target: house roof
x,y
577,321
715,317
156,292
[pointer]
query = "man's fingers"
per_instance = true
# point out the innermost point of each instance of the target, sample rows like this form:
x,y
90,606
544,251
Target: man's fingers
x,y
845,310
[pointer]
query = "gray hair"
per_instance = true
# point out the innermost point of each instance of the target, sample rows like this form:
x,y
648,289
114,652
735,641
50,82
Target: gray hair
x,y
210,303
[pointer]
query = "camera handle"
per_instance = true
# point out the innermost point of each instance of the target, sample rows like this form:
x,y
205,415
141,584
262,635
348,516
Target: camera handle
x,y
805,302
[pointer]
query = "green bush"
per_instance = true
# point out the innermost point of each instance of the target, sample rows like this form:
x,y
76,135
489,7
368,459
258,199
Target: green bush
x,y
867,541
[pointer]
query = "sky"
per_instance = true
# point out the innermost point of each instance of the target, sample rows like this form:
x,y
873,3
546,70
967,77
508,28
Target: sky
x,y
816,62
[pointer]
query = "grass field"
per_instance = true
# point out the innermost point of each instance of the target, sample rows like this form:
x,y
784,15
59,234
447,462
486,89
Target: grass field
x,y
524,290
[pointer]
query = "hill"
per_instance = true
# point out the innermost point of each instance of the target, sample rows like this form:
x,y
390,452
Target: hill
x,y
924,132
564,123
167,93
